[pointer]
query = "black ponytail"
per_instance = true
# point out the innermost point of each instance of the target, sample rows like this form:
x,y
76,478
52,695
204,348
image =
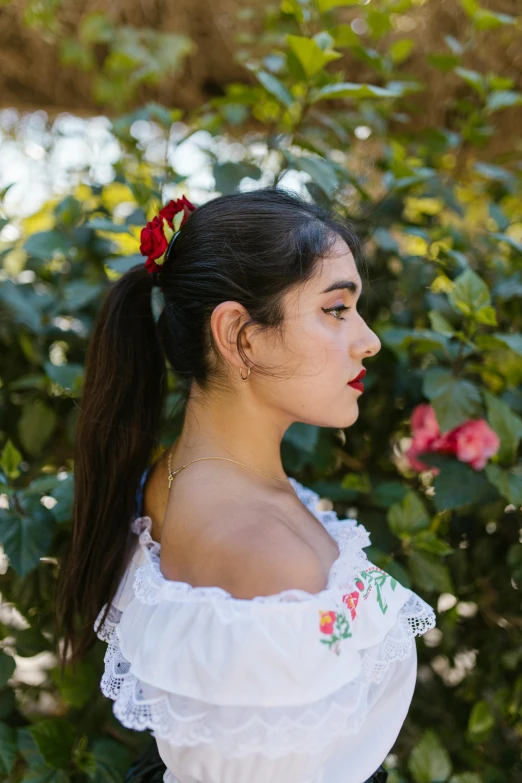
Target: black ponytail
x,y
120,412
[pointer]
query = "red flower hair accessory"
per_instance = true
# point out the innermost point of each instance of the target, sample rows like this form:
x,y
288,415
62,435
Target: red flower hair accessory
x,y
159,232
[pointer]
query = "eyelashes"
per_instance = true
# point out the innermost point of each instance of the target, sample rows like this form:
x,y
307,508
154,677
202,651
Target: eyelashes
x,y
333,310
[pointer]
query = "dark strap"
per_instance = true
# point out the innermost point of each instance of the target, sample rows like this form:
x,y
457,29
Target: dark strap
x,y
139,493
148,768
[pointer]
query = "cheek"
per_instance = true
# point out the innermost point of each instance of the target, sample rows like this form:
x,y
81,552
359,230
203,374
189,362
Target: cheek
x,y
316,349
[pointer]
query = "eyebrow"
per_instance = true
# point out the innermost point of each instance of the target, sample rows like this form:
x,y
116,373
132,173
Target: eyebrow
x,y
349,285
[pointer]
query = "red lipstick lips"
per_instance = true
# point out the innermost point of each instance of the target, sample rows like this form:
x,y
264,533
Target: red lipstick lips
x,y
357,382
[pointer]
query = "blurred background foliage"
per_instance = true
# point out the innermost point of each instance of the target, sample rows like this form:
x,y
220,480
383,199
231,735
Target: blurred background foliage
x,y
403,113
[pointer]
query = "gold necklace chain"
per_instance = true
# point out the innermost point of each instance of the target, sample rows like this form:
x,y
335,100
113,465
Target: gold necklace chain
x,y
174,473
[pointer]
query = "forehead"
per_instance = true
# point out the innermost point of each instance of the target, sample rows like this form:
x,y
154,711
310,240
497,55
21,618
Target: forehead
x,y
338,264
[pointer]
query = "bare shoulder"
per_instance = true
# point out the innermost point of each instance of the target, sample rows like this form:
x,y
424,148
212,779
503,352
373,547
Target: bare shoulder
x,y
245,547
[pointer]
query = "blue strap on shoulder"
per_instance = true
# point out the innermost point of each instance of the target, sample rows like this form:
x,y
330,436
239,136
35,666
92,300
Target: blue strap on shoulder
x,y
139,493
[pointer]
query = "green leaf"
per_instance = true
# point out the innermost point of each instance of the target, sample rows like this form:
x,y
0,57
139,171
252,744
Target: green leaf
x,y
46,245
359,482
470,293
457,484
312,58
511,241
275,88
508,482
7,667
388,493
492,172
399,339
122,264
494,342
96,27
486,315
440,324
73,53
69,376
466,777
54,738
8,748
507,425
470,7
78,293
104,224
327,5
76,688
293,8
229,175
30,641
484,19
454,400
453,44
38,771
63,493
385,240
408,516
481,721
68,211
503,99
427,571
112,761
401,49
21,304
473,78
26,535
42,484
10,460
351,90
428,541
321,171
429,760
443,61
36,425
511,341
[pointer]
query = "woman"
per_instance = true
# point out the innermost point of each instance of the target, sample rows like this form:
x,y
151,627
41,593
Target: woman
x,y
245,627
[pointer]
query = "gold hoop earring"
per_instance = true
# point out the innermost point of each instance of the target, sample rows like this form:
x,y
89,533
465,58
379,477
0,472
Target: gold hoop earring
x,y
244,378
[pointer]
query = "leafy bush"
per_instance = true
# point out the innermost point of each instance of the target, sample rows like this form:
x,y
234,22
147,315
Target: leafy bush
x,y
444,244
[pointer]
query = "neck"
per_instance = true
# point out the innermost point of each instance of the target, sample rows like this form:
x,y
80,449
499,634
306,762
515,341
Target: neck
x,y
236,426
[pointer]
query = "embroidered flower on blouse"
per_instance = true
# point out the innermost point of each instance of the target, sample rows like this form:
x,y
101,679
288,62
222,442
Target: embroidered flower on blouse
x,y
326,621
336,626
375,578
351,600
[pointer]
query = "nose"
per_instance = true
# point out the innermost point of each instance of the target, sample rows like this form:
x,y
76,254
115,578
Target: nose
x,y
366,343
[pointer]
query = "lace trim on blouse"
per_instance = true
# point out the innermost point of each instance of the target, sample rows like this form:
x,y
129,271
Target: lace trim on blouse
x,y
270,731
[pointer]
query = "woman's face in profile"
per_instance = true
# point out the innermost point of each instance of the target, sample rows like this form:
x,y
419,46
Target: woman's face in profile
x,y
322,347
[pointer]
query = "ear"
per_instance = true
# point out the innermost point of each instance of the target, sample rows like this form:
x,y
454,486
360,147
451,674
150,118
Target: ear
x,y
225,323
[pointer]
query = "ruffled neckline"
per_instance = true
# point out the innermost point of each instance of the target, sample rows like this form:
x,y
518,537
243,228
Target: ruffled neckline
x,y
151,586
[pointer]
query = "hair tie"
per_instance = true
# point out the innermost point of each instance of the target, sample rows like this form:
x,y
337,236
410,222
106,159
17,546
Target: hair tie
x,y
160,233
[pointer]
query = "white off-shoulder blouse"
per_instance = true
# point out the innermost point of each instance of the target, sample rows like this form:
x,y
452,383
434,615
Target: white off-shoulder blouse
x,y
293,687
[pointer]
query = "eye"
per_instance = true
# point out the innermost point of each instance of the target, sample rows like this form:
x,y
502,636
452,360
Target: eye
x,y
334,310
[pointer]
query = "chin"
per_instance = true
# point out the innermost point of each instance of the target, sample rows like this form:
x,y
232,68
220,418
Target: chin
x,y
347,417
348,420
338,421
